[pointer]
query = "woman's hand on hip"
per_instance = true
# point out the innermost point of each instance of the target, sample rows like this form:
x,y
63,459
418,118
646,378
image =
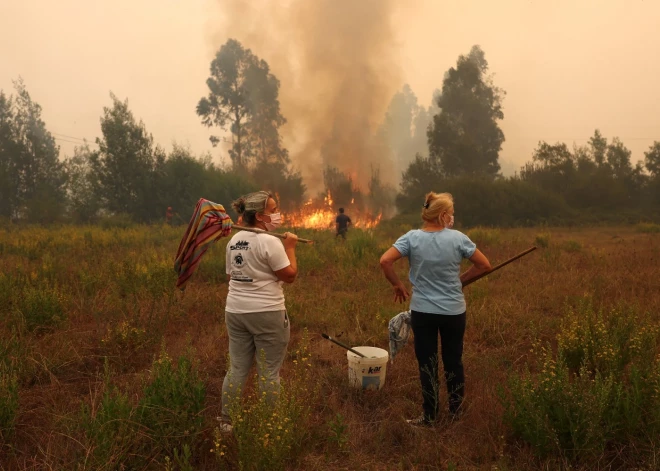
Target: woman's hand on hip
x,y
400,293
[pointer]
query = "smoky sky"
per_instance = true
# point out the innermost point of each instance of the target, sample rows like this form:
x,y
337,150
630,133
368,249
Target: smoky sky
x,y
567,67
339,66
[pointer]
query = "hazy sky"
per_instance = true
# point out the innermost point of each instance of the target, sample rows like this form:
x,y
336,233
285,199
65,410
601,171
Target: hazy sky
x,y
567,66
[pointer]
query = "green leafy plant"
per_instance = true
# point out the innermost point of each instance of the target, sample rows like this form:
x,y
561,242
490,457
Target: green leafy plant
x,y
42,308
173,400
338,432
598,389
110,427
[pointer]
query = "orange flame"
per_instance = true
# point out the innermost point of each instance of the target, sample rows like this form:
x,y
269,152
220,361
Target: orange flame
x,y
310,217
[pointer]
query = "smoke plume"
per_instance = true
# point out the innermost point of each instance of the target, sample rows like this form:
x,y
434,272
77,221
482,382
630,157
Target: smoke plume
x,y
338,68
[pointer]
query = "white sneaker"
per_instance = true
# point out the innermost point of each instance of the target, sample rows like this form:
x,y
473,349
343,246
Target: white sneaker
x,y
223,425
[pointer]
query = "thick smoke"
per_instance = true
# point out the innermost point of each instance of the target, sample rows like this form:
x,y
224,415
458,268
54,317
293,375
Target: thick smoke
x,y
338,68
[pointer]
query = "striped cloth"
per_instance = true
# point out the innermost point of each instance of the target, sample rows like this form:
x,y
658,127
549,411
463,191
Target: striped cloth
x,y
209,223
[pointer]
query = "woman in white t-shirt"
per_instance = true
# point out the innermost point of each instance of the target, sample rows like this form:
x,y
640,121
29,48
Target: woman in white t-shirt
x,y
257,266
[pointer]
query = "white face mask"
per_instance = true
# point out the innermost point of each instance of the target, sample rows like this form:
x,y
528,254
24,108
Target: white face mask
x,y
275,221
449,224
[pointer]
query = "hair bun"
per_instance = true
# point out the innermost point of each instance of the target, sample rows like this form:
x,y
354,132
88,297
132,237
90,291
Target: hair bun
x,y
239,205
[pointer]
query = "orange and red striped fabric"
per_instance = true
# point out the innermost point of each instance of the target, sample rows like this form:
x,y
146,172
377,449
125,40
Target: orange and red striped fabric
x,y
209,223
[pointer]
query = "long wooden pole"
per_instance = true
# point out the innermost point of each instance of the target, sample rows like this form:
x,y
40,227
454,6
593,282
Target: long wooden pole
x,y
512,259
335,341
261,231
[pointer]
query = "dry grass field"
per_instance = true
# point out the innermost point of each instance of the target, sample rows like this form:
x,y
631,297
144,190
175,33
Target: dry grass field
x,y
103,365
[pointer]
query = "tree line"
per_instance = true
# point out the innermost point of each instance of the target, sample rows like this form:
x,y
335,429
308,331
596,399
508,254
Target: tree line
x,y
589,184
123,174
453,145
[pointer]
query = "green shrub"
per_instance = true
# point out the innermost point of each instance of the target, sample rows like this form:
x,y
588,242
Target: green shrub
x,y
310,259
126,344
484,201
42,308
338,432
361,245
173,401
168,417
648,228
110,429
160,279
606,342
484,236
129,277
600,389
212,269
124,336
542,240
556,412
89,282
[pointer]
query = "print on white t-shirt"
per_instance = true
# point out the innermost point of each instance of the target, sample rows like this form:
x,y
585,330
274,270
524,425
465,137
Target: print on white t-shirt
x,y
252,260
239,261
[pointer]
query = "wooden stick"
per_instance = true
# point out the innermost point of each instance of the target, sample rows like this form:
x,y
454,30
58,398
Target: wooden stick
x,y
326,336
274,234
521,254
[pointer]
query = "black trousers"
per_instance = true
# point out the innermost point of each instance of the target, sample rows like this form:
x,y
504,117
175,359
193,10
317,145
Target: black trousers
x,y
451,328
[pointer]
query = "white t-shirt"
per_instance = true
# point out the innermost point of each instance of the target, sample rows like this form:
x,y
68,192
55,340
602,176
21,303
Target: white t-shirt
x,y
251,261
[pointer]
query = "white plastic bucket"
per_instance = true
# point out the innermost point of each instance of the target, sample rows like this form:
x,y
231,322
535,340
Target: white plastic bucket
x,y
367,373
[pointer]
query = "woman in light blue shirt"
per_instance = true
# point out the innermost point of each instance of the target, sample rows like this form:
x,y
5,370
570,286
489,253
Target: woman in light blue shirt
x,y
437,304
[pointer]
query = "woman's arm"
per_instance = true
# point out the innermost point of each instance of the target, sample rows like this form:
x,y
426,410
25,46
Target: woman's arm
x,y
288,274
480,265
387,264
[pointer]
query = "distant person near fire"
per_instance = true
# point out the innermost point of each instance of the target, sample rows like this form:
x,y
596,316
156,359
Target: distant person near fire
x,y
168,215
342,222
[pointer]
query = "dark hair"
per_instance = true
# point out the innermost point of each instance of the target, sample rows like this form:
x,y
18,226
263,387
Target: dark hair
x,y
248,218
341,210
249,205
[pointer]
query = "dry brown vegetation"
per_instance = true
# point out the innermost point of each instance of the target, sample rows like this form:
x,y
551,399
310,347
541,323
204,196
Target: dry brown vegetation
x,y
88,313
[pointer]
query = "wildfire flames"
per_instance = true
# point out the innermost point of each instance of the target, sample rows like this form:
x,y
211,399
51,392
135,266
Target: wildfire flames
x,y
322,216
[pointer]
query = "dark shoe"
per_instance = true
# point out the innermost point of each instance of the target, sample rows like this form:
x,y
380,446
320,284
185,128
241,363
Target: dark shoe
x,y
421,421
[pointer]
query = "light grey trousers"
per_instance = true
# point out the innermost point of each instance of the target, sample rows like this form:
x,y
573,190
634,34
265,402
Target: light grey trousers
x,y
249,335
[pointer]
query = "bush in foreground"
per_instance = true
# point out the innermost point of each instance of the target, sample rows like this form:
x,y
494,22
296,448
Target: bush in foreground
x,y
600,388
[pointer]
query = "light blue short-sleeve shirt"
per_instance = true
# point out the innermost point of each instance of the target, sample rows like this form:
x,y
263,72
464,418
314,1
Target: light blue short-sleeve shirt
x,y
435,263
